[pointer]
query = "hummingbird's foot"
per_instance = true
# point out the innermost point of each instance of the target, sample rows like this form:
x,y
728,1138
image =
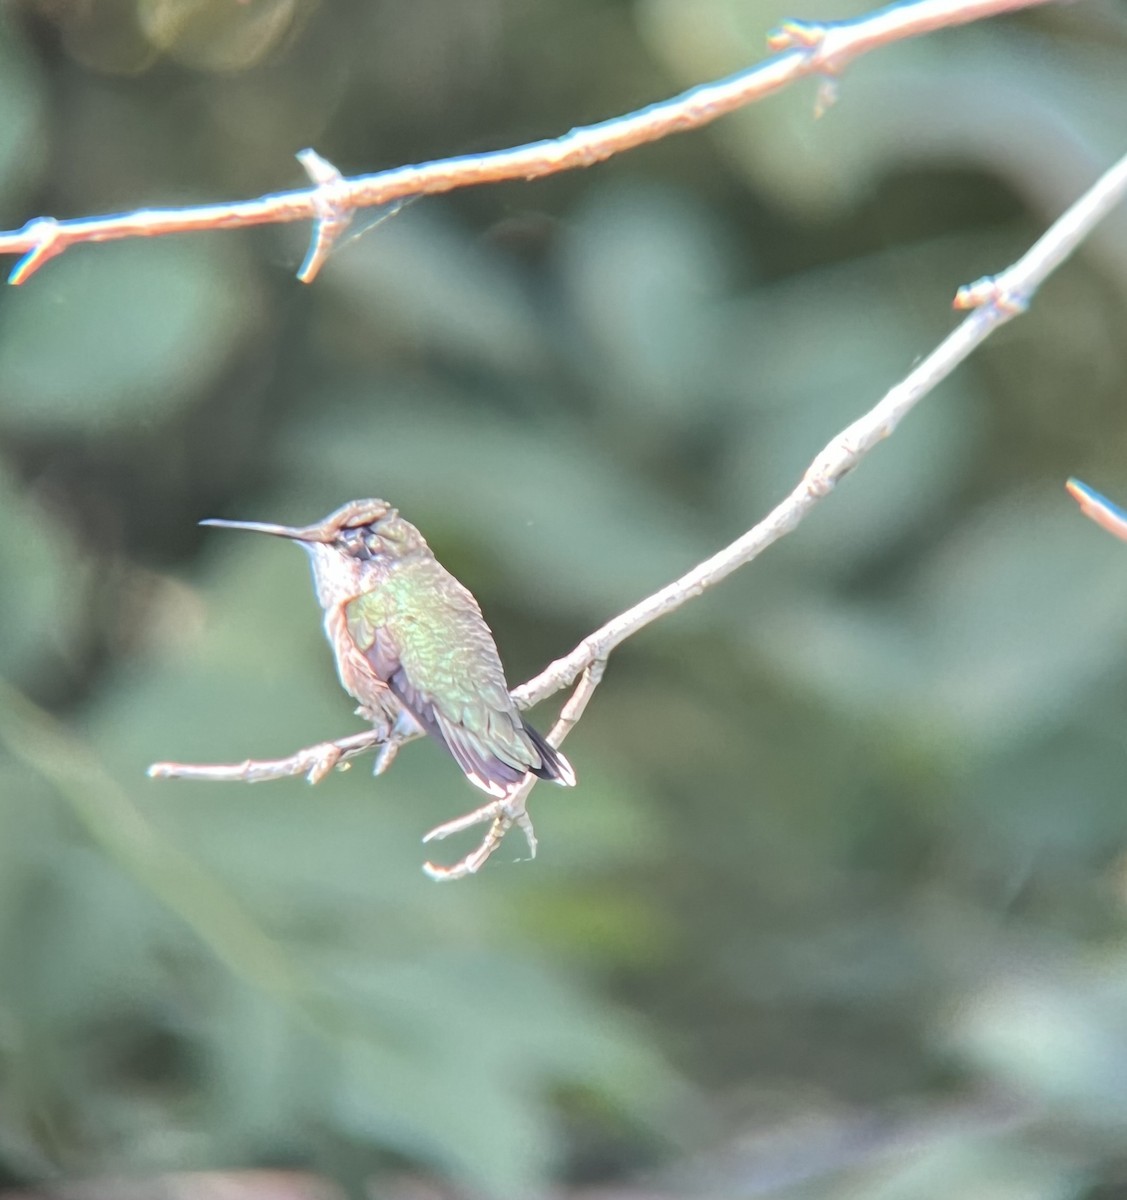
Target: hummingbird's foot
x,y
405,729
503,815
386,755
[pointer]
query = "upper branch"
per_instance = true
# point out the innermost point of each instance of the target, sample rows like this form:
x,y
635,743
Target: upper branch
x,y
804,48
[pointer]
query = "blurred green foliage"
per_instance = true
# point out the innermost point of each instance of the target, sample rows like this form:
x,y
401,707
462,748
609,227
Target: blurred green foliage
x,y
838,907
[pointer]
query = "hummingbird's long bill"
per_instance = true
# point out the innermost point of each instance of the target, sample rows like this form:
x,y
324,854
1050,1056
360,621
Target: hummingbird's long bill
x,y
286,531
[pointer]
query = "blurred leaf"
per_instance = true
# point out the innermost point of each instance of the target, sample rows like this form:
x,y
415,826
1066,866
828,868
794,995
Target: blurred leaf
x,y
861,659
1057,1035
564,525
418,279
1000,633
1054,802
998,1168
41,582
111,337
469,1069
641,268
212,35
21,103
1018,614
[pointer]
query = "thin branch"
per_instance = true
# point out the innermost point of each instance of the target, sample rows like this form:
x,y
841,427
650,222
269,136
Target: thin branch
x,y
802,48
314,762
994,299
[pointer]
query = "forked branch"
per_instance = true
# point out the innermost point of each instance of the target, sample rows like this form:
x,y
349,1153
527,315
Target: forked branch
x,y
803,48
502,815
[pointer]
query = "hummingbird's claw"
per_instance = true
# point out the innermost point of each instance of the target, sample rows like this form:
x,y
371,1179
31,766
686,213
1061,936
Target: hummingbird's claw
x,y
524,824
386,755
405,729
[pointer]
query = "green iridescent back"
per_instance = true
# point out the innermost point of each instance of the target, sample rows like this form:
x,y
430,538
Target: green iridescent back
x,y
424,635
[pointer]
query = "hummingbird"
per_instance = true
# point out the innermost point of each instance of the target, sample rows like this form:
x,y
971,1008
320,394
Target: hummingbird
x,y
412,646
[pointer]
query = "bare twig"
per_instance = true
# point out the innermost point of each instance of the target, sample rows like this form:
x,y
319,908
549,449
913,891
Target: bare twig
x,y
314,762
1099,508
802,48
334,213
994,300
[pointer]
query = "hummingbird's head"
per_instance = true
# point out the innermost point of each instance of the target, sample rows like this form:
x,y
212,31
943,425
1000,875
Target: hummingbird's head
x,y
349,550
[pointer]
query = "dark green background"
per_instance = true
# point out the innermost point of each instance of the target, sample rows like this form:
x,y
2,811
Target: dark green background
x,y
839,907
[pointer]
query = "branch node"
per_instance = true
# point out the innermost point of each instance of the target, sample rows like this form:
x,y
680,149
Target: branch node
x,y
796,34
821,478
318,168
809,38
49,242
334,212
991,292
322,763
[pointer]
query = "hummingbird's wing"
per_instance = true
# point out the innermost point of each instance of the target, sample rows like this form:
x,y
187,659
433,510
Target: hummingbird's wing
x,y
438,657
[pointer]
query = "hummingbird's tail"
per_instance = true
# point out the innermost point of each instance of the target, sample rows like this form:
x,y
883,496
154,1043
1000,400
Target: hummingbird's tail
x,y
553,765
494,770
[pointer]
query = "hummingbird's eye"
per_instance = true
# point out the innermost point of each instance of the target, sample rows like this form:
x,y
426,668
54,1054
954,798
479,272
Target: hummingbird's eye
x,y
352,542
360,541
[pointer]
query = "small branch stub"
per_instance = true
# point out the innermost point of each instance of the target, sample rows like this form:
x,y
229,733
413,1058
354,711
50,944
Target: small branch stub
x,y
809,37
1099,508
990,291
48,242
334,213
